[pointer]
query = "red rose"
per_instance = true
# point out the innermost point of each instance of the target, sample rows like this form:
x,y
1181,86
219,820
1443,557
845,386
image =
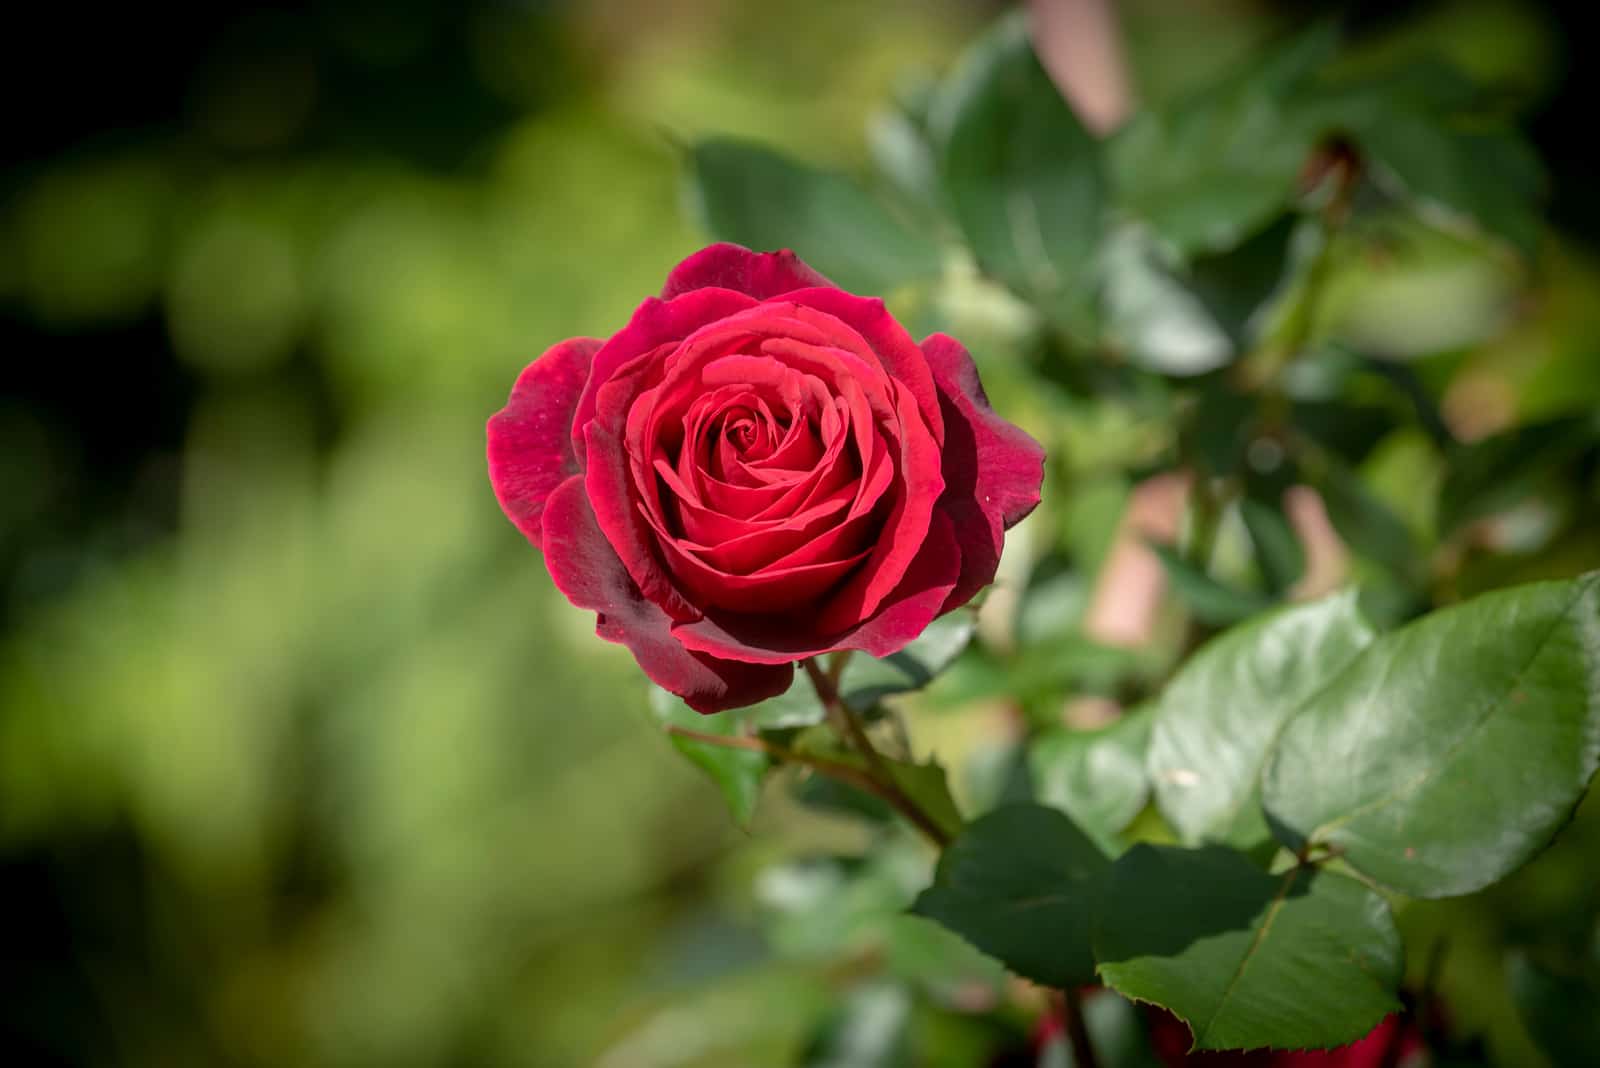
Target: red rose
x,y
760,467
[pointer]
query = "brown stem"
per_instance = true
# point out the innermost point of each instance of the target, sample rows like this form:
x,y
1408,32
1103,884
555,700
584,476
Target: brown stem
x,y
1077,1032
849,725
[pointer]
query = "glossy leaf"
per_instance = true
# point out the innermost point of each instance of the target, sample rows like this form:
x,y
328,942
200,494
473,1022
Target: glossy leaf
x,y
1450,751
1217,719
1097,777
1022,175
1020,884
756,197
738,773
1303,959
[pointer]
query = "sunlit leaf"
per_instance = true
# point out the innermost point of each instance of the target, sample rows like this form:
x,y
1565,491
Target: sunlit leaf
x,y
1450,751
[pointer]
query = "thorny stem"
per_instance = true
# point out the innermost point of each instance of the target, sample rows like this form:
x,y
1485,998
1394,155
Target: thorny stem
x,y
849,725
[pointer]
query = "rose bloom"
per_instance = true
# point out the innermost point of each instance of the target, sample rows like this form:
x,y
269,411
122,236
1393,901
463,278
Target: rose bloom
x,y
759,468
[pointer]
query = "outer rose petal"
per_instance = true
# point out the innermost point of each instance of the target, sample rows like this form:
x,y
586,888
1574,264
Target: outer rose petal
x,y
992,470
757,274
586,569
904,614
530,440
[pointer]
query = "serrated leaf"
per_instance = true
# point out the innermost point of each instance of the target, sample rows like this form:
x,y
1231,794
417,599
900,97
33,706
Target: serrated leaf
x,y
1217,719
1097,777
1022,175
1209,599
927,785
1303,959
1020,883
756,197
1450,751
738,773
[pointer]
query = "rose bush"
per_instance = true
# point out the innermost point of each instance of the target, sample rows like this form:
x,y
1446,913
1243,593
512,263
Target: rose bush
x,y
760,467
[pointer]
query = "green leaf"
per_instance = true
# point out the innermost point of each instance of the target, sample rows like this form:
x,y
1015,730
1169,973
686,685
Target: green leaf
x,y
1150,313
1277,547
1097,777
1210,600
1020,884
927,786
1222,163
1366,522
1302,959
738,773
753,196
1492,475
1450,751
1561,1011
867,680
1217,719
1022,175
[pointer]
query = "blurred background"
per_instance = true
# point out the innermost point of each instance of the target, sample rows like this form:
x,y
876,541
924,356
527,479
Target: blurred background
x,y
302,761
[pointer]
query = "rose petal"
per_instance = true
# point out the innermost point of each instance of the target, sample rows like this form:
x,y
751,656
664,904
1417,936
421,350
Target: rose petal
x,y
530,439
992,469
904,614
589,573
762,275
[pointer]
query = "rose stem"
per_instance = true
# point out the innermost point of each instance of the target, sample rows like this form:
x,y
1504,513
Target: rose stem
x,y
1071,1007
848,724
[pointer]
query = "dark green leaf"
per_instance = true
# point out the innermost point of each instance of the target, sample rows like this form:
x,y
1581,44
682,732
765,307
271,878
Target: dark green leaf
x,y
1095,776
1019,884
738,773
926,785
1217,719
1277,547
1209,599
1222,163
1368,524
1562,1012
1302,959
753,196
1449,752
1022,175
1491,475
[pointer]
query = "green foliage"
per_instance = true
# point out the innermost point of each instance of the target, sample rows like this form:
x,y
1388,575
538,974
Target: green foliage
x,y
756,197
1449,751
1097,776
1019,883
738,773
1023,177
1219,717
1302,959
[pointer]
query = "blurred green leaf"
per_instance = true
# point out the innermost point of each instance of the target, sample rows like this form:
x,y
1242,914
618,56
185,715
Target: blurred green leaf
x,y
738,773
1450,751
1493,474
1097,777
867,680
1208,598
869,1030
1561,1011
1221,163
1247,959
1152,316
1022,174
1277,547
754,196
1218,717
1019,883
1364,521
